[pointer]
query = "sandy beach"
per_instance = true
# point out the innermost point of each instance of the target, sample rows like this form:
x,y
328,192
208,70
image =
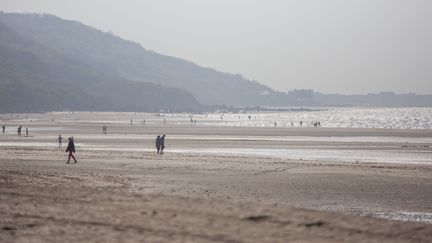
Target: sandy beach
x,y
214,183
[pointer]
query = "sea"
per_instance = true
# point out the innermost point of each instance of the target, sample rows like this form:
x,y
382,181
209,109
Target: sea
x,y
344,117
336,117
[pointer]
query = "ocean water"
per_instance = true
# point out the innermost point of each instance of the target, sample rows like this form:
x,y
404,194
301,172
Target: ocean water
x,y
343,117
352,117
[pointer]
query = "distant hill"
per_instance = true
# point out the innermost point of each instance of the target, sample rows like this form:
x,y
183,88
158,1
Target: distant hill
x,y
35,78
48,63
114,56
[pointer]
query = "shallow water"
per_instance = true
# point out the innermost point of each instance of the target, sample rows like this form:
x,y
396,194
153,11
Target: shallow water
x,y
317,153
353,117
383,156
346,117
358,139
423,217
403,216
355,149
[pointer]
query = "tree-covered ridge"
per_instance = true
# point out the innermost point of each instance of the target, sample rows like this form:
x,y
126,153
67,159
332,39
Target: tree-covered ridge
x,y
34,77
112,55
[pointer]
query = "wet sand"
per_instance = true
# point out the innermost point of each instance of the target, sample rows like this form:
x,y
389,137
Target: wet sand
x,y
65,206
120,188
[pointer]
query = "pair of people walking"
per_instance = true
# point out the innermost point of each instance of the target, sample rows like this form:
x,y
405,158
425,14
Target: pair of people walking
x,y
160,144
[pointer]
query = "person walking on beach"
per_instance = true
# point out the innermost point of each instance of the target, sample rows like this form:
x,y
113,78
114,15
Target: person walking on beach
x,y
158,144
4,128
19,130
60,140
71,149
162,144
26,132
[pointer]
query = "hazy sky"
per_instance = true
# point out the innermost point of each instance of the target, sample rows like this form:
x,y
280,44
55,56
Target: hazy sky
x,y
343,46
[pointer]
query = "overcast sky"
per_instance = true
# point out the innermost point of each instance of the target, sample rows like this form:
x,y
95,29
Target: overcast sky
x,y
343,46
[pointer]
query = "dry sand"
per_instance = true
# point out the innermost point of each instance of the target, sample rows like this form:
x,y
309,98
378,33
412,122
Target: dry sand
x,y
118,194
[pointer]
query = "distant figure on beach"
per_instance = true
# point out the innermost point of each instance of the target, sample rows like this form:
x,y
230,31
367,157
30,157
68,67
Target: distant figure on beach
x,y
19,130
4,128
104,129
71,149
162,144
275,124
301,123
131,122
60,140
158,144
26,132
